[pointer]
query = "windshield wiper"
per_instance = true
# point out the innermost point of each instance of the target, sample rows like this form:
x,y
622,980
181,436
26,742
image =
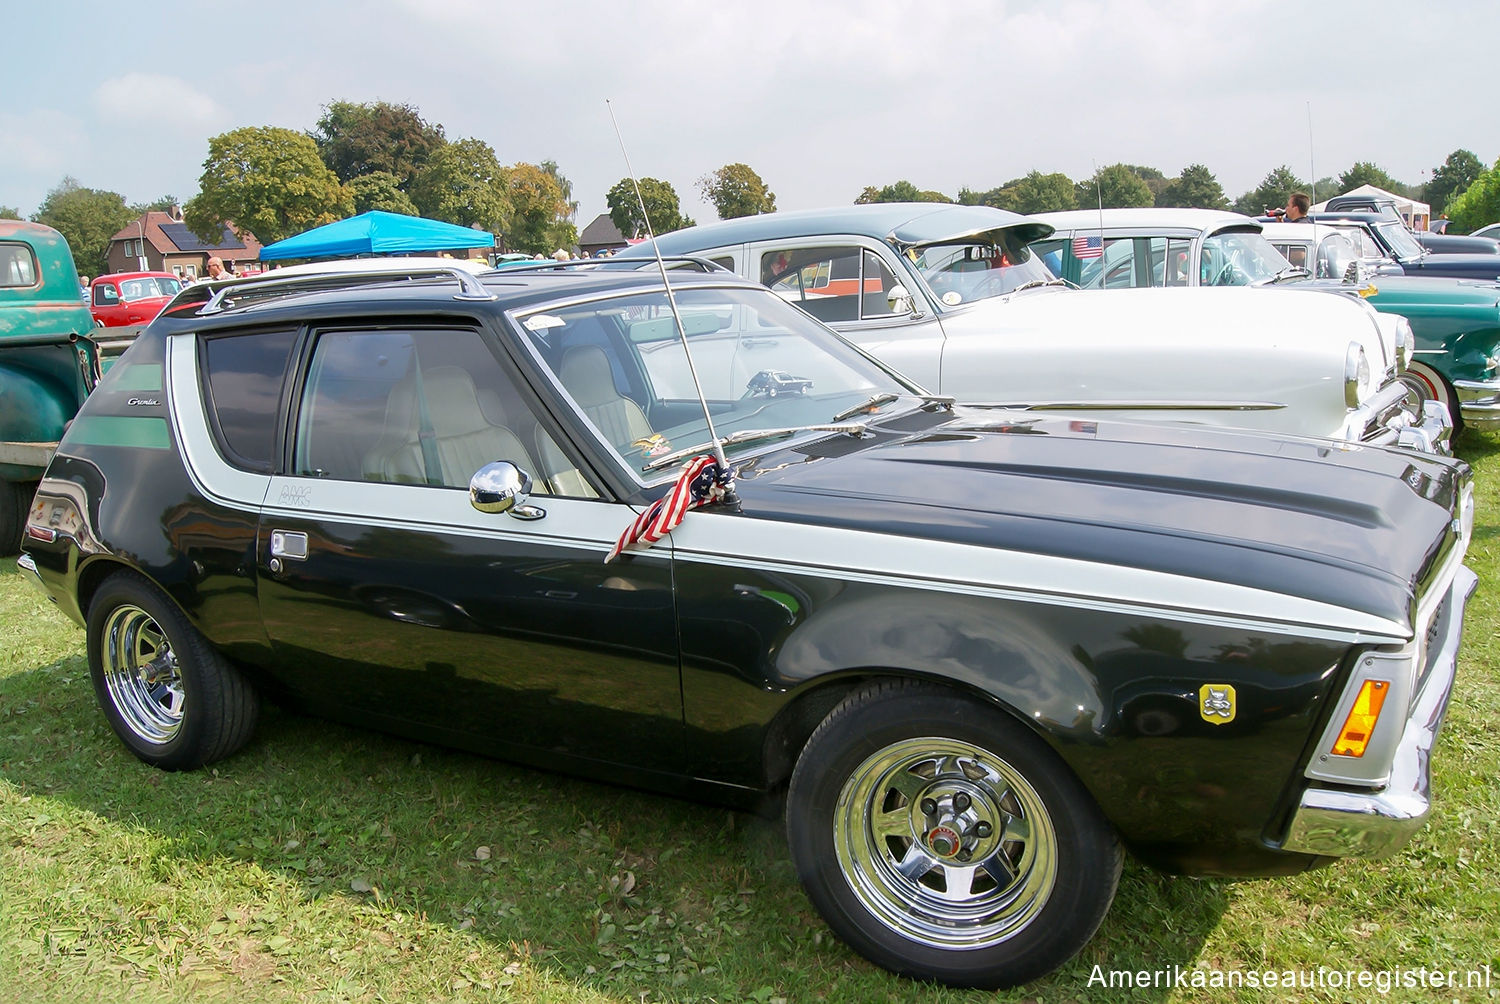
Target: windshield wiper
x,y
869,404
1034,283
751,435
877,400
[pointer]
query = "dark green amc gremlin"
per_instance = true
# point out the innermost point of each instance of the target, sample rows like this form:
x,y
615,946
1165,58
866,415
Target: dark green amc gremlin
x,y
978,653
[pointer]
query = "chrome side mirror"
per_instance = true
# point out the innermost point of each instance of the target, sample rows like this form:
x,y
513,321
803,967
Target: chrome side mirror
x,y
900,301
501,486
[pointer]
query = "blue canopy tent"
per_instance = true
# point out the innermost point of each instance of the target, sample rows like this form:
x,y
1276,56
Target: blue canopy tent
x,y
376,233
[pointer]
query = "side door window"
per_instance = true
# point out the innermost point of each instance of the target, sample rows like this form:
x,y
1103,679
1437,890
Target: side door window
x,y
420,406
105,296
1177,268
824,281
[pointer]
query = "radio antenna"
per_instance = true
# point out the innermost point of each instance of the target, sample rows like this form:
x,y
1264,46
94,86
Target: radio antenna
x,y
671,299
1312,181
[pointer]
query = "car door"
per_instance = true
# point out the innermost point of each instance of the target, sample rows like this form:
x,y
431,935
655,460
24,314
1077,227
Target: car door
x,y
848,283
397,602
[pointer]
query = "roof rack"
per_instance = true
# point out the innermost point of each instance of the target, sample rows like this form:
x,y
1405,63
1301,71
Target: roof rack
x,y
470,288
626,264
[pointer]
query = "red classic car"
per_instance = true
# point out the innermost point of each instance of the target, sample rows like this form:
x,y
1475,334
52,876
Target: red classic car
x,y
131,297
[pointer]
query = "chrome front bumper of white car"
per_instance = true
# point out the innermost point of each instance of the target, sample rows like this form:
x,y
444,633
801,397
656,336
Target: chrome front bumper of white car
x,y
1347,822
1392,418
1479,403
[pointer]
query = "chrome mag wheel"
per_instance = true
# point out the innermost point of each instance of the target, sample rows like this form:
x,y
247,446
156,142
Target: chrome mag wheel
x,y
141,674
945,843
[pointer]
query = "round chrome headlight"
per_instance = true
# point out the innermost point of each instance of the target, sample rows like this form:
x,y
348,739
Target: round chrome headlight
x,y
1406,343
1356,375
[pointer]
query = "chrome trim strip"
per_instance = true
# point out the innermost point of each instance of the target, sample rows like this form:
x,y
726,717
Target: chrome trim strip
x,y
1376,824
1141,405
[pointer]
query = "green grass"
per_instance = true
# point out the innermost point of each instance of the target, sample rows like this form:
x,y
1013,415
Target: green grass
x,y
329,864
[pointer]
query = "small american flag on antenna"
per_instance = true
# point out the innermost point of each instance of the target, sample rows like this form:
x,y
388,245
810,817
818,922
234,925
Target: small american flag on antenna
x,y
1088,247
701,482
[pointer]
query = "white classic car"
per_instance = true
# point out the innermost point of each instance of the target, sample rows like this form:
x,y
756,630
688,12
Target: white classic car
x,y
954,297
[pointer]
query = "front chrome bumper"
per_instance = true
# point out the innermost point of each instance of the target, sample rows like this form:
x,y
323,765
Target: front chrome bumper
x,y
1479,403
1391,418
1373,824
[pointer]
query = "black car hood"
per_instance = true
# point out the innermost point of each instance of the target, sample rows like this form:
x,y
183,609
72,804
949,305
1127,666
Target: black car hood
x,y
1338,523
1479,266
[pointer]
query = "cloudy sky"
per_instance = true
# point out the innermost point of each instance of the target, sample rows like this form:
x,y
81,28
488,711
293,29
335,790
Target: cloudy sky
x,y
821,97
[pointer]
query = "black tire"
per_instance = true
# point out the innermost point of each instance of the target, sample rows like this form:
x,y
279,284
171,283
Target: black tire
x,y
15,503
1026,898
173,700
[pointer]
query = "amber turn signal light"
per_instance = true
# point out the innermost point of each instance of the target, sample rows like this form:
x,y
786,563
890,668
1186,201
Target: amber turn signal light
x,y
1354,737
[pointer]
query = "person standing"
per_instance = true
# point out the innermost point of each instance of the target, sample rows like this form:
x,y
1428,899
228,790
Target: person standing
x,y
1297,205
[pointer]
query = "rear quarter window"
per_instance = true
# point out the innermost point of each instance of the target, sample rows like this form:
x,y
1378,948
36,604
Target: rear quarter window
x,y
17,266
243,374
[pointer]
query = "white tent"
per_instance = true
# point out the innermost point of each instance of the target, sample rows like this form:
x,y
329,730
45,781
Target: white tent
x,y
1416,214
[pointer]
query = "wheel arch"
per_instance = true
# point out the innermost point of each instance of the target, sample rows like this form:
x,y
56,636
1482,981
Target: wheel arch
x,y
793,725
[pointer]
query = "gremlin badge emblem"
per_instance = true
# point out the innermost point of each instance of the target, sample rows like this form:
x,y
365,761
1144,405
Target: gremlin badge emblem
x,y
1216,703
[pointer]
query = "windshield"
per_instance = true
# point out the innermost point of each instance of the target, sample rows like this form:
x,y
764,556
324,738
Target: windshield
x,y
1404,244
976,268
1238,258
762,364
140,289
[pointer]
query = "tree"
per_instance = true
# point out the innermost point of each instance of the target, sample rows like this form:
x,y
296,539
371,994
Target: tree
x,y
539,211
7,213
901,191
88,218
1116,185
1154,179
355,139
1042,193
266,180
661,203
736,190
1366,173
1458,172
1194,188
1477,205
162,204
1272,192
380,190
464,183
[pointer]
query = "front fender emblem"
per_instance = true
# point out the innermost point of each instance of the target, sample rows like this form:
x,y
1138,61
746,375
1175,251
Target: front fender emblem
x,y
1216,703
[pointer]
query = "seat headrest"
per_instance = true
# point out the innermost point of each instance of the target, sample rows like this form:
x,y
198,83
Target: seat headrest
x,y
453,403
585,374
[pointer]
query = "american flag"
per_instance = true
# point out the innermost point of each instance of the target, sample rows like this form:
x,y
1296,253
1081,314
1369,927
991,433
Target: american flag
x,y
1088,247
701,482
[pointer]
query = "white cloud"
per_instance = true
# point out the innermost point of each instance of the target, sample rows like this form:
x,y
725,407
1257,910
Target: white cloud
x,y
155,100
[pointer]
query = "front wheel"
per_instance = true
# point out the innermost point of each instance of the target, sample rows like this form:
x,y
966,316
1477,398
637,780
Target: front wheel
x,y
168,694
1431,386
944,841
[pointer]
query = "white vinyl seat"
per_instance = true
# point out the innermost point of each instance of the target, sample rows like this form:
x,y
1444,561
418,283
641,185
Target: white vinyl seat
x,y
586,375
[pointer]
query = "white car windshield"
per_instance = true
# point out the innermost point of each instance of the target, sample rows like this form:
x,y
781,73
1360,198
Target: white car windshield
x,y
977,268
762,364
1400,240
1239,258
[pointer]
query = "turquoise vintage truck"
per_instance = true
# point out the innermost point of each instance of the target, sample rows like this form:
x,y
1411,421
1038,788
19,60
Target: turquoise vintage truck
x,y
48,361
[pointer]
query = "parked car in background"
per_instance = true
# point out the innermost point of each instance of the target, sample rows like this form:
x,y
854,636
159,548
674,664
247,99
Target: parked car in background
x,y
953,297
1453,325
979,652
1492,232
1397,243
48,363
124,298
1457,243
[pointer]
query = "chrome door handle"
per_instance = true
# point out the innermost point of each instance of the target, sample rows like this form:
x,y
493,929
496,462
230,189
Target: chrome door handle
x,y
289,544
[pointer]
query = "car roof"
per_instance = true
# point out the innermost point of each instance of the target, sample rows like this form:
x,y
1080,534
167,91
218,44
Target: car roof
x,y
113,276
1140,218
903,223
1317,231
515,288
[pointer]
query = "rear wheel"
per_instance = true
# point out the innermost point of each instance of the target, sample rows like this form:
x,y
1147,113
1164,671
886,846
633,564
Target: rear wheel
x,y
944,841
15,503
168,694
